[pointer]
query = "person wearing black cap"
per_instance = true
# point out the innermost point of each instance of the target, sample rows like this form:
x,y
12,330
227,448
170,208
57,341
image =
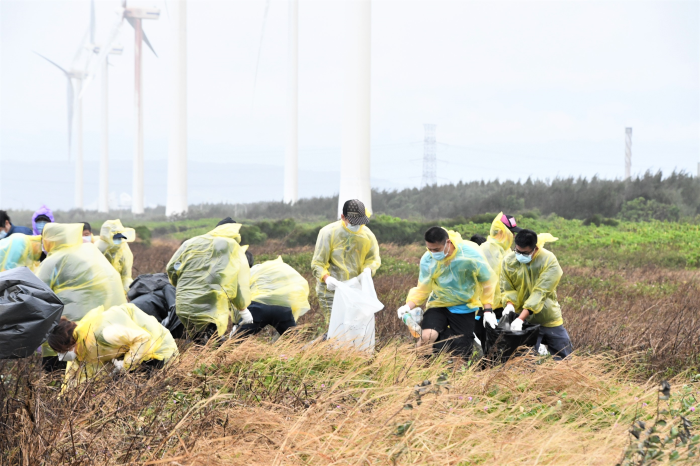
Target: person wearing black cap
x,y
344,249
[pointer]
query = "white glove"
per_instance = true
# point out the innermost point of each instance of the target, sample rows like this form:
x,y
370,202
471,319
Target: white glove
x,y
490,318
331,283
508,309
516,325
367,269
403,310
118,366
246,317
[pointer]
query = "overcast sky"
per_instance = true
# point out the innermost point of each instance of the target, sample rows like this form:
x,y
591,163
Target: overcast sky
x,y
516,89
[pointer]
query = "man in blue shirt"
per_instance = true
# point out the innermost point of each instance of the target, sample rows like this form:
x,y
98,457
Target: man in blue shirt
x,y
7,228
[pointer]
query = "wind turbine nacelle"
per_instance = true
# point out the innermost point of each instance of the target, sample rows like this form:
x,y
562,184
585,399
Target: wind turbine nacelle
x,y
142,13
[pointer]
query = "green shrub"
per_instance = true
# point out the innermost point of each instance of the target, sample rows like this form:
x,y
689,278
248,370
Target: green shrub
x,y
277,228
643,210
303,235
144,234
251,234
483,218
599,220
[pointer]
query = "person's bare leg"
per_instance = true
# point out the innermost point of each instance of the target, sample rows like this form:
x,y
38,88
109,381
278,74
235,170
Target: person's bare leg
x,y
427,338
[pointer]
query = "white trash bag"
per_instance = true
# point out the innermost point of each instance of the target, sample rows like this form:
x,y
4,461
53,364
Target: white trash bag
x,y
352,315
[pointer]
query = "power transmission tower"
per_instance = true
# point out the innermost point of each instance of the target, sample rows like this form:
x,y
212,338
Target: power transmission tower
x,y
628,153
429,156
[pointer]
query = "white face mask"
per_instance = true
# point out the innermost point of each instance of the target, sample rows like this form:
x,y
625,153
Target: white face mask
x,y
67,356
87,239
3,233
354,228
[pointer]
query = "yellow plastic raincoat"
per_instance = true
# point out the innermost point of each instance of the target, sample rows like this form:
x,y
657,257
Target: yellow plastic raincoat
x,y
20,250
212,279
463,277
494,249
533,287
119,255
120,332
278,284
78,273
342,254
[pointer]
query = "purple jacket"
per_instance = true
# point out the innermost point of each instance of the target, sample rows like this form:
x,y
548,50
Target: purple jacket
x,y
43,210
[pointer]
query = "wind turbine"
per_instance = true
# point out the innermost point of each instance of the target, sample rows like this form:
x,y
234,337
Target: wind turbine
x,y
134,16
78,74
103,197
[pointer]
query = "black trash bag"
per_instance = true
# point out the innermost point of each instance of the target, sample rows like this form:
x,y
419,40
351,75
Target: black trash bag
x,y
501,343
29,310
155,296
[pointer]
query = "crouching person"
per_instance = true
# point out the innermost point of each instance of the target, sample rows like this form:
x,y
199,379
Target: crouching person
x,y
123,338
279,296
529,279
454,282
211,277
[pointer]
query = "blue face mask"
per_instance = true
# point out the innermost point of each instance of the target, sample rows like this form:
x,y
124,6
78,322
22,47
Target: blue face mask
x,y
438,256
354,228
40,226
117,241
3,234
522,258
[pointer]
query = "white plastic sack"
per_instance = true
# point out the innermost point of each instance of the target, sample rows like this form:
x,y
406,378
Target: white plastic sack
x,y
352,315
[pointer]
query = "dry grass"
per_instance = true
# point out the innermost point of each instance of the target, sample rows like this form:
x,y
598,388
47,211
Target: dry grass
x,y
254,403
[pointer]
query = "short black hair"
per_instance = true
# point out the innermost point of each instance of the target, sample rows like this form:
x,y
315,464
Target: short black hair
x,y
225,221
249,256
4,218
526,239
478,239
436,235
86,226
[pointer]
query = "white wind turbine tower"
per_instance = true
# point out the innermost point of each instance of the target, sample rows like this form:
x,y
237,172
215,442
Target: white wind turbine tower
x,y
355,150
103,197
291,153
134,16
177,144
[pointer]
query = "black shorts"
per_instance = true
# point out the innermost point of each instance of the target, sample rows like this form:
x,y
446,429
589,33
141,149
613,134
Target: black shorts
x,y
461,329
279,317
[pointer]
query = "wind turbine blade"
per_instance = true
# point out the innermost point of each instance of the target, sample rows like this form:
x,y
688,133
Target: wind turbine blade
x,y
132,21
92,22
104,52
71,102
54,64
257,61
81,48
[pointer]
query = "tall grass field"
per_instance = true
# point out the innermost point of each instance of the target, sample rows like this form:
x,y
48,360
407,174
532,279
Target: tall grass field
x,y
629,395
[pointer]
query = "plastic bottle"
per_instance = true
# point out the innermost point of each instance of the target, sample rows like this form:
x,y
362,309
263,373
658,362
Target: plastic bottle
x,y
412,320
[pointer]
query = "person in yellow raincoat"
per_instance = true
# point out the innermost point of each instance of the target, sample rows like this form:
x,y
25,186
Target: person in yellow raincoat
x,y
121,338
114,244
79,274
529,279
20,250
211,277
454,282
344,249
279,296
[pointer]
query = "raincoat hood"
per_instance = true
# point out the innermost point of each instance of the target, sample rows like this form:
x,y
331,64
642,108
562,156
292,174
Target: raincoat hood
x,y
20,250
228,230
61,235
500,234
111,228
43,210
543,238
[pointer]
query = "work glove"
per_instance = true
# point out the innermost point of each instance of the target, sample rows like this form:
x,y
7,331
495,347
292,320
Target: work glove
x,y
490,318
508,309
403,310
118,366
516,325
331,283
246,317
